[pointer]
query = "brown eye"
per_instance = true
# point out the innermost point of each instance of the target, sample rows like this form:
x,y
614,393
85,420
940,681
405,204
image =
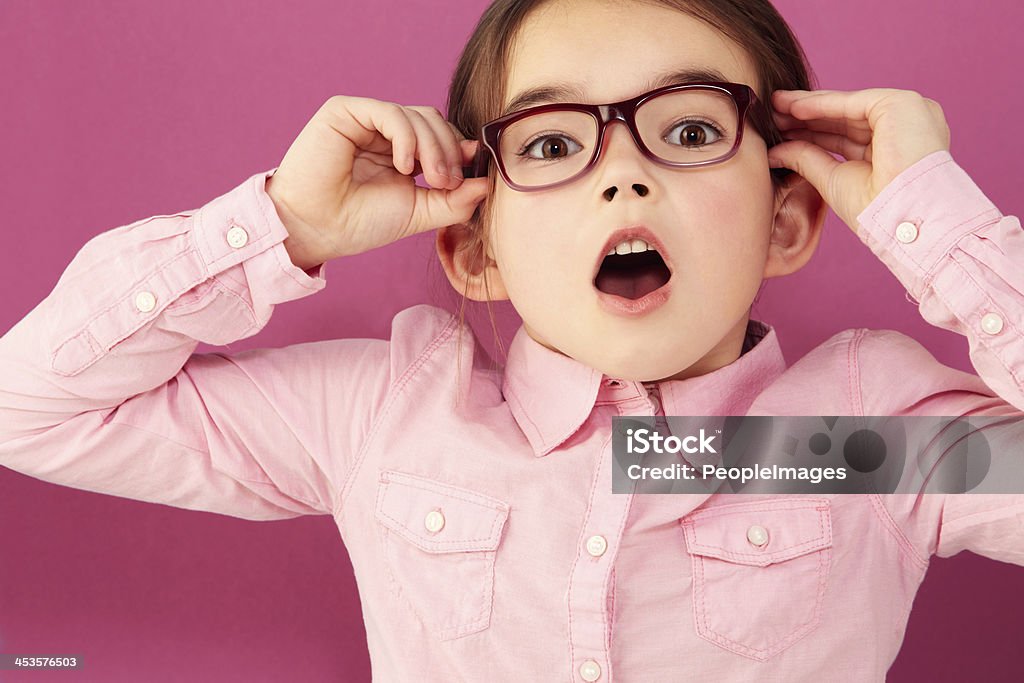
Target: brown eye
x,y
550,147
693,134
553,147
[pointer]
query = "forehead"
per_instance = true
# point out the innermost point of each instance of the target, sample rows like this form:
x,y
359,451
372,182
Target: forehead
x,y
609,50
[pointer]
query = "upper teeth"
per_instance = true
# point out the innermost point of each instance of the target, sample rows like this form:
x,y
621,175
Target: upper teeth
x,y
630,247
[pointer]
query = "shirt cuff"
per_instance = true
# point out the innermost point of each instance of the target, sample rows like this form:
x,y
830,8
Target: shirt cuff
x,y
243,226
919,216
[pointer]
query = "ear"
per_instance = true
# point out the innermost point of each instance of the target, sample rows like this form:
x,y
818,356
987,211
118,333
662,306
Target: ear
x,y
466,260
799,216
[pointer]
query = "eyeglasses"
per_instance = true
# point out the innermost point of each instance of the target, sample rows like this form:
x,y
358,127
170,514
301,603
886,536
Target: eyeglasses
x,y
681,126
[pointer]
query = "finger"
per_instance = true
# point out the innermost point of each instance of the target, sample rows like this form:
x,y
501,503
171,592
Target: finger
x,y
858,131
784,121
419,169
859,105
468,150
782,100
429,151
385,160
455,131
861,136
375,126
446,136
809,161
839,144
437,208
381,159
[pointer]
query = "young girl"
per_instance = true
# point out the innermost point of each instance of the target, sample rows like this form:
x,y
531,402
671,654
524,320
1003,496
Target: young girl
x,y
476,504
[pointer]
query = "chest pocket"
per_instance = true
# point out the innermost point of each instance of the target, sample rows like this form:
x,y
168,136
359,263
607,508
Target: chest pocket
x,y
440,542
759,572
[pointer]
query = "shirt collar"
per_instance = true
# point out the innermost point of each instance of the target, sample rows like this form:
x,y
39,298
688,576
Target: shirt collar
x,y
551,395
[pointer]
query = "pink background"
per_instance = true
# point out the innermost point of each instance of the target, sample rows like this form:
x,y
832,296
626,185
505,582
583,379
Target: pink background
x,y
118,110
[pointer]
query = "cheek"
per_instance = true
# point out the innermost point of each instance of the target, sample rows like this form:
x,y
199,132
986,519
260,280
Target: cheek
x,y
526,246
727,228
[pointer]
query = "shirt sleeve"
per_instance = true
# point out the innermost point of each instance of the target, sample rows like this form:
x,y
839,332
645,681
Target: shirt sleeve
x,y
100,389
960,259
962,262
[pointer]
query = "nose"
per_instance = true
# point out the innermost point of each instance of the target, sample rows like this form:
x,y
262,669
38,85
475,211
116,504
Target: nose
x,y
623,162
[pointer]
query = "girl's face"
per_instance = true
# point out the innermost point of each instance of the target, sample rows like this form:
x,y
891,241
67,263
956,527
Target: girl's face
x,y
714,221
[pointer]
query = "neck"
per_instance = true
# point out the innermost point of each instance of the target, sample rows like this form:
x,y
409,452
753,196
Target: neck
x,y
732,346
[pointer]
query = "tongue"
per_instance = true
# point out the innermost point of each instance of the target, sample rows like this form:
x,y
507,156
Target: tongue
x,y
631,283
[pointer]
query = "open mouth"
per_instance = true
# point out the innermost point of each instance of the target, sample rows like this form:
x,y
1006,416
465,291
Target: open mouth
x,y
632,275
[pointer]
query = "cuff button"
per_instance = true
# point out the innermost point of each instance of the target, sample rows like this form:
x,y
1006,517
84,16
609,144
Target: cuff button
x,y
992,323
906,232
237,237
145,301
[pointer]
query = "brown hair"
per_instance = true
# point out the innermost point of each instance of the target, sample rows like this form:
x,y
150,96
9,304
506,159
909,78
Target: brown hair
x,y
478,84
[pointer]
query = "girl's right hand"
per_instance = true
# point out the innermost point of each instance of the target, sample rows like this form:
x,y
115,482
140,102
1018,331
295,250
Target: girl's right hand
x,y
346,185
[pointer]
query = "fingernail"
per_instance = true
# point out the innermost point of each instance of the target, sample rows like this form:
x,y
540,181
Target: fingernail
x,y
456,172
442,170
775,163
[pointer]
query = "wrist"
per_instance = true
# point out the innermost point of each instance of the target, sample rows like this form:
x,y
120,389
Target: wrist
x,y
302,243
300,255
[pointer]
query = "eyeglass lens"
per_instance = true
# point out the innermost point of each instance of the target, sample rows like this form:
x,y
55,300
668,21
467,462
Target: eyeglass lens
x,y
683,126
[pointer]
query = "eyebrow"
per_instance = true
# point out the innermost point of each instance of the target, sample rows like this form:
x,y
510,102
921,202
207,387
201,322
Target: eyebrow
x,y
569,92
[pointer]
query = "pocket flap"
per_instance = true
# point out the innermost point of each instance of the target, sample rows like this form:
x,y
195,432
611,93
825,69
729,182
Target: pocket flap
x,y
788,527
437,517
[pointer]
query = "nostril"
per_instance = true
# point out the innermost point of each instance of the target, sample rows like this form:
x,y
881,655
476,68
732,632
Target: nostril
x,y
639,188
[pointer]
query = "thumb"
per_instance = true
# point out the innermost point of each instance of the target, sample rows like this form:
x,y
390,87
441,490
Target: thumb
x,y
808,160
436,208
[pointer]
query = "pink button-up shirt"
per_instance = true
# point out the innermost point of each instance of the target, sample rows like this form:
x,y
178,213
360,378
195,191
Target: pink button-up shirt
x,y
476,504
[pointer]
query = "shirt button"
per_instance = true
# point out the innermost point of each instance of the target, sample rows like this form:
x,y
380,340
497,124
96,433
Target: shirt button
x,y
145,301
434,521
596,545
590,670
757,535
237,237
906,232
992,323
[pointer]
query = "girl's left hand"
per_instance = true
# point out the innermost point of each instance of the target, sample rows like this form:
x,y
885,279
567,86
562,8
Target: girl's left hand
x,y
881,132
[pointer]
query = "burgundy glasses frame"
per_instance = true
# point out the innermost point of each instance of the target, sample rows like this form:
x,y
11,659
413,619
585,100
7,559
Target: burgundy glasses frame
x,y
490,133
